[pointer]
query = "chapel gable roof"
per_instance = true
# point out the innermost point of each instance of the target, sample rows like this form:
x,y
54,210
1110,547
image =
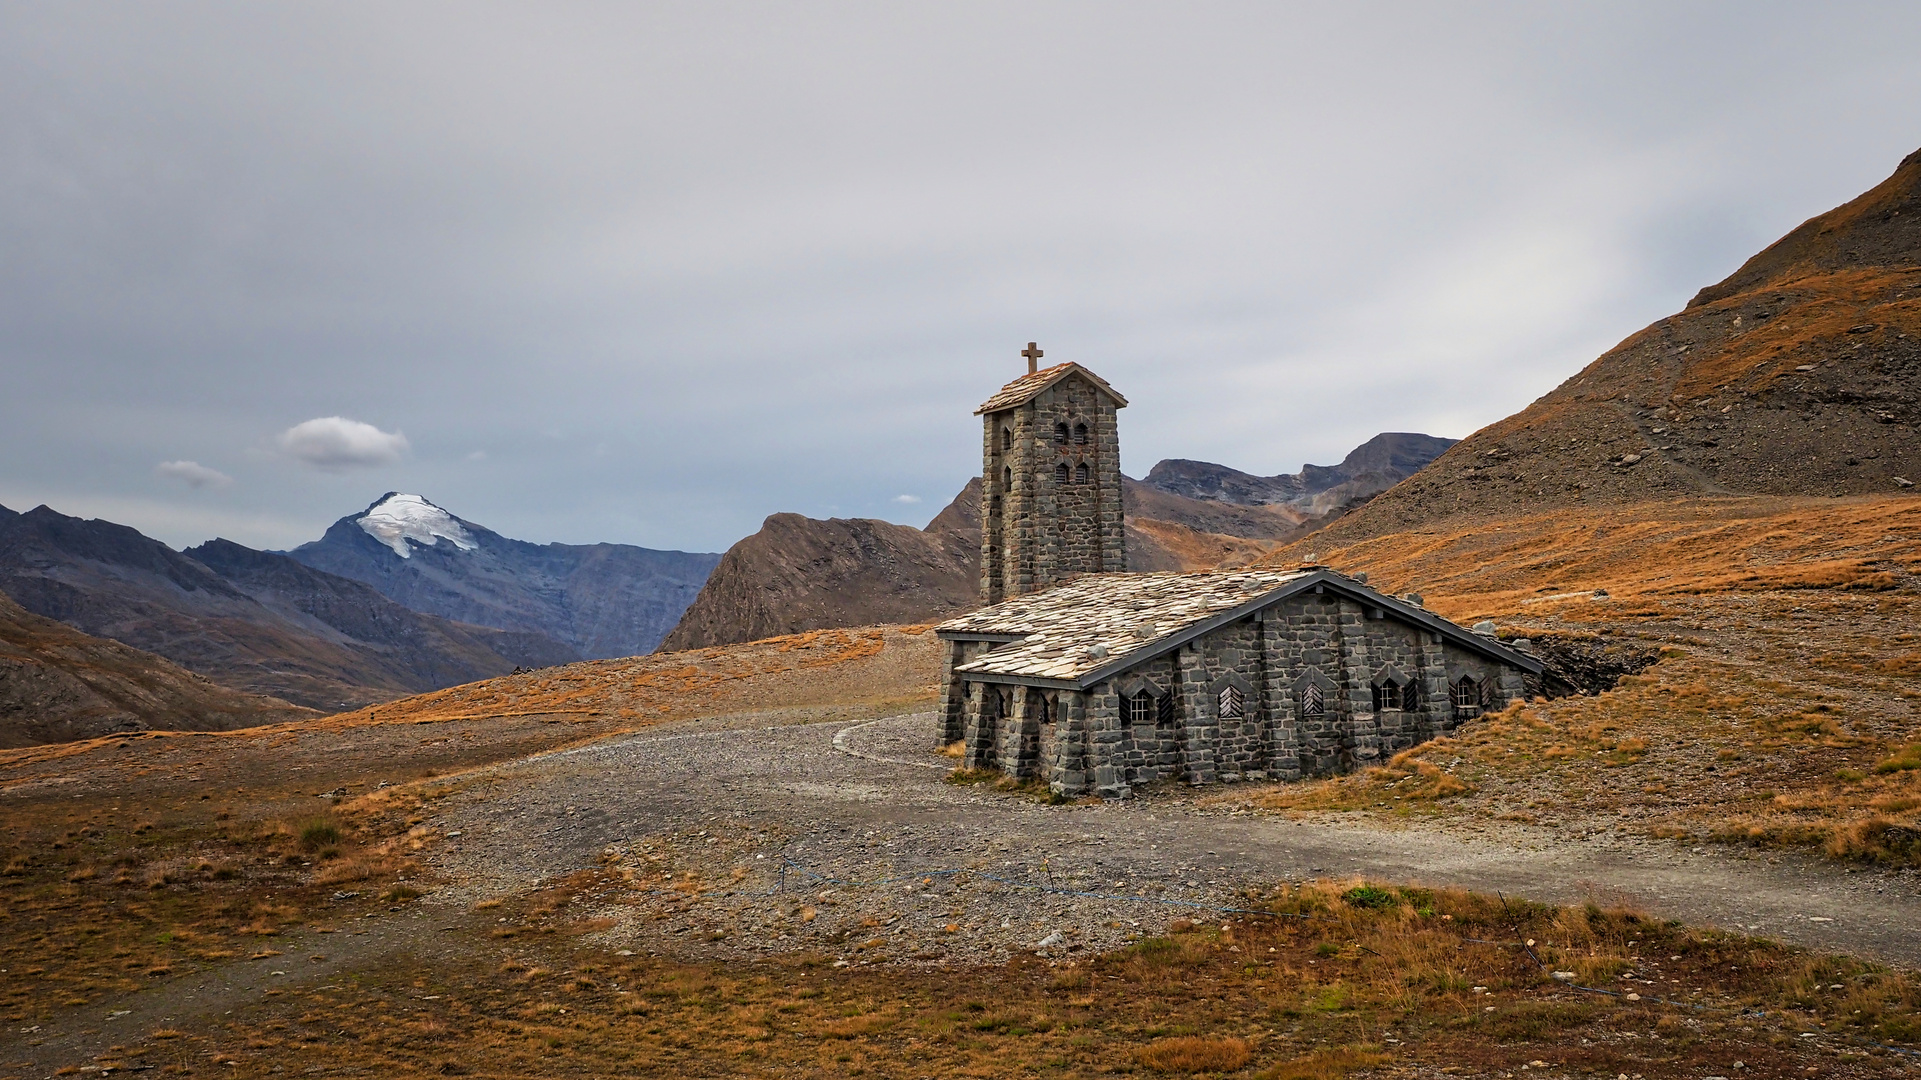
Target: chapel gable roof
x,y
1028,387
1096,626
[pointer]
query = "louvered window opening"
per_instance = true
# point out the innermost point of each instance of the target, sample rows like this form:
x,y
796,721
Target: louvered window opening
x,y
1466,696
1313,701
1232,705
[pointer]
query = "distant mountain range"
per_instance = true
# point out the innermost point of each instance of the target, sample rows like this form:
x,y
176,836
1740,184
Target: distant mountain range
x,y
598,600
268,623
1372,467
800,573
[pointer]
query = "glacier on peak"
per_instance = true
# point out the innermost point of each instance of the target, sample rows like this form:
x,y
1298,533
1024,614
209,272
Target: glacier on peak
x,y
398,518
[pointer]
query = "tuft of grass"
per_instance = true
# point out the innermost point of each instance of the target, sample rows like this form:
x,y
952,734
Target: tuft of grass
x,y
1370,897
1907,759
1330,1064
1195,1054
319,834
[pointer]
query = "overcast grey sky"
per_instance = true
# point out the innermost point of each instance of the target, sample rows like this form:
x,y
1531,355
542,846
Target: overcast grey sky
x,y
650,272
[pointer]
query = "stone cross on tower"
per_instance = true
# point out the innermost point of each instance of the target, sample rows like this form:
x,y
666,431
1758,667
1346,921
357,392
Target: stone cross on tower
x,y
1033,354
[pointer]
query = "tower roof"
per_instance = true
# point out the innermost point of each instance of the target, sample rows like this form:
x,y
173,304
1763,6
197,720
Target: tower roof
x,y
1027,387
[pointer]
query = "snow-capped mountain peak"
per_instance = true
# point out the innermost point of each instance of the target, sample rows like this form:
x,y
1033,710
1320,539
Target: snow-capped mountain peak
x,y
398,518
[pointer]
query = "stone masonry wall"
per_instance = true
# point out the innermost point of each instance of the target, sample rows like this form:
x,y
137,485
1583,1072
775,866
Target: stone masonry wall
x,y
1084,741
1035,529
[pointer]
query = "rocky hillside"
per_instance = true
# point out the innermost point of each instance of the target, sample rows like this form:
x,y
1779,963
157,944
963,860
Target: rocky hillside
x,y
1373,467
1800,374
58,684
798,574
254,621
600,600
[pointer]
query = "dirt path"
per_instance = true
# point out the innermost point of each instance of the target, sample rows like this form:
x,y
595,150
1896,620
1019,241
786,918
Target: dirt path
x,y
755,814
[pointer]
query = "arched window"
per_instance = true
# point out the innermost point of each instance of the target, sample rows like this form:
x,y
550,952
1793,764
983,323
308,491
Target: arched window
x,y
1007,438
1042,706
1060,434
1392,697
1060,473
1007,478
1140,710
1080,434
1313,701
1080,473
1466,698
1232,705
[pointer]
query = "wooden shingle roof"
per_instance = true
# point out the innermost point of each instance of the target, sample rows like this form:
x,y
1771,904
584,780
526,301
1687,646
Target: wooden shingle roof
x,y
1095,626
1027,387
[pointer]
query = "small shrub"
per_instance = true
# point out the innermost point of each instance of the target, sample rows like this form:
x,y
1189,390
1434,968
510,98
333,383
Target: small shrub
x,y
316,835
1370,898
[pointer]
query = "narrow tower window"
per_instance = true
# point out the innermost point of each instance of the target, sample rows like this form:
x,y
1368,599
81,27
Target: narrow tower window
x,y
1080,473
1060,434
1007,438
1060,473
1080,434
1007,478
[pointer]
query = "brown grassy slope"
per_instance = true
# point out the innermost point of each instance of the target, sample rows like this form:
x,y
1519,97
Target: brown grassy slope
x,y
1488,567
1798,375
831,671
1324,981
57,683
1786,710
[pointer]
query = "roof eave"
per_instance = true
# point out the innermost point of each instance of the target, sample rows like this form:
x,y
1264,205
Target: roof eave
x,y
1067,369
1420,616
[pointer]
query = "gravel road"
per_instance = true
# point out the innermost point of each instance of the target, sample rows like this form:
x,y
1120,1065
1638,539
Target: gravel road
x,y
847,841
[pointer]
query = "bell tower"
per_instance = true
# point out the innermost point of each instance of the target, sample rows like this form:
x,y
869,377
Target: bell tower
x,y
1050,480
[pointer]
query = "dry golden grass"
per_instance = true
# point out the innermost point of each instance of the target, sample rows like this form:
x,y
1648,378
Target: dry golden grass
x,y
1343,977
1536,564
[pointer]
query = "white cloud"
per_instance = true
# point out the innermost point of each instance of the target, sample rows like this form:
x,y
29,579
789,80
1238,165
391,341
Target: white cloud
x,y
907,499
193,474
335,443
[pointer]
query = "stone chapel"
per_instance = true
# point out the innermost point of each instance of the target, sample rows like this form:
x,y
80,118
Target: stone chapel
x,y
1094,680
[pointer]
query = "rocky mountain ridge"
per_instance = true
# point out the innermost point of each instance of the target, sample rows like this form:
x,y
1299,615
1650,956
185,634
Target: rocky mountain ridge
x,y
1371,468
254,621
